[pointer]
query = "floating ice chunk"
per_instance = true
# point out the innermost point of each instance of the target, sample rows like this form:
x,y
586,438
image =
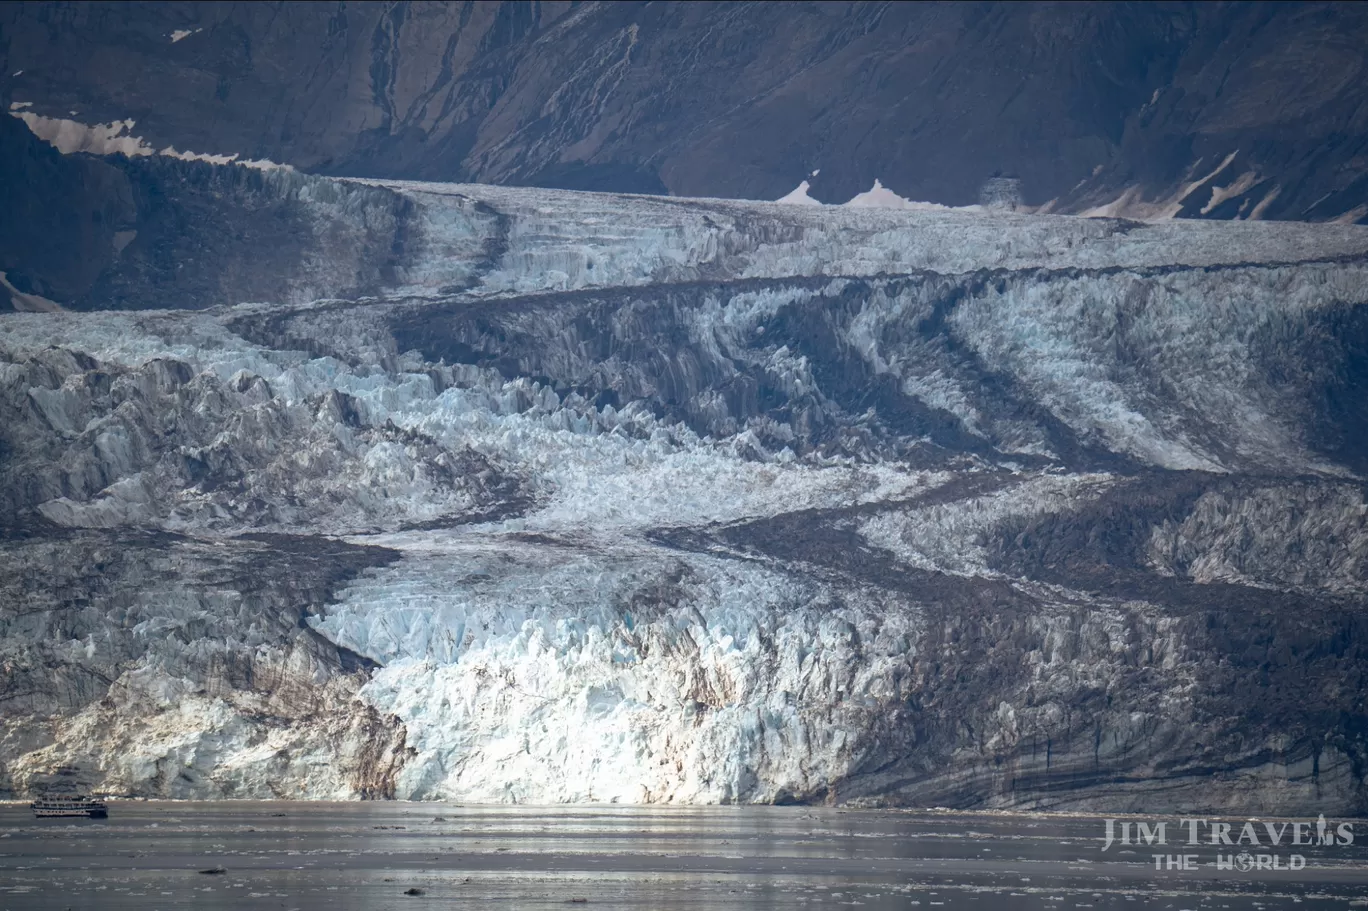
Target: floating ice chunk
x,y
180,33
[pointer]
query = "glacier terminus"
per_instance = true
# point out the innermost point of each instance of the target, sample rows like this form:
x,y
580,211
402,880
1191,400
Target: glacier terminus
x,y
488,494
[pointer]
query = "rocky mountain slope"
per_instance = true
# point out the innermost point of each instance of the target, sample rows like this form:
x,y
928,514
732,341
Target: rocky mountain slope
x,y
484,493
1208,110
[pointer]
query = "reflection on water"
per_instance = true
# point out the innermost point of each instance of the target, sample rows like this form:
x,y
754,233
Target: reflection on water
x,y
340,856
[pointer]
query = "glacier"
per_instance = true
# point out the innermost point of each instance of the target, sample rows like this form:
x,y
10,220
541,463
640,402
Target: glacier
x,y
598,497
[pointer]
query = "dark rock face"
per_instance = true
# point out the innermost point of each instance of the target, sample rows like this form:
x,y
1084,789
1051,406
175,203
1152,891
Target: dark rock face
x,y
141,233
1198,109
62,215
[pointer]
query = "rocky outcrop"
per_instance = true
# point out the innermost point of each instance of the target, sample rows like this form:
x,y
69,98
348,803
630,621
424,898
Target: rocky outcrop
x,y
144,233
1250,110
65,216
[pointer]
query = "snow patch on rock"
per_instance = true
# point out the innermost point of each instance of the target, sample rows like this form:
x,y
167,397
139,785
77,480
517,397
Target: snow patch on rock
x,y
71,136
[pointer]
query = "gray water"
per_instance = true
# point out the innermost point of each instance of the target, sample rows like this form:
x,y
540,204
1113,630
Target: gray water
x,y
340,856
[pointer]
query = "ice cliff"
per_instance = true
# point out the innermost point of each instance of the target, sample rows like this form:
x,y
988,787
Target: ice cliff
x,y
489,494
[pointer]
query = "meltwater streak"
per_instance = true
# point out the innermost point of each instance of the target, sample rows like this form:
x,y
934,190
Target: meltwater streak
x,y
340,856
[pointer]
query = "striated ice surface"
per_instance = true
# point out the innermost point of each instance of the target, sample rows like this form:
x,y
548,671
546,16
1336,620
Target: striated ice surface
x,y
646,499
948,536
553,240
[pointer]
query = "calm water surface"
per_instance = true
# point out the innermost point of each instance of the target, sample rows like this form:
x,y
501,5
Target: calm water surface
x,y
340,856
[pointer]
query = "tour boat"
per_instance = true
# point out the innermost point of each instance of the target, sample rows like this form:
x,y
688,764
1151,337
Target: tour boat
x,y
69,806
